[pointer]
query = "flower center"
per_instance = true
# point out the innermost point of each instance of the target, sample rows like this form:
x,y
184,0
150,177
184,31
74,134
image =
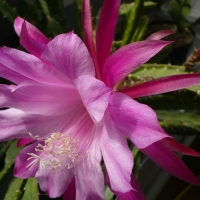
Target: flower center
x,y
57,152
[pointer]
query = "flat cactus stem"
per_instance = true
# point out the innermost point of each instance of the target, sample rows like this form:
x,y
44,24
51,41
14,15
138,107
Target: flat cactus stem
x,y
45,8
139,32
7,11
179,123
15,189
132,21
31,190
185,100
11,153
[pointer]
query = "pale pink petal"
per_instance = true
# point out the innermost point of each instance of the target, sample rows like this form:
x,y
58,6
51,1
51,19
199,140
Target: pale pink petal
x,y
18,124
95,96
31,67
54,184
170,162
105,31
136,121
70,193
32,30
69,55
162,85
47,99
135,194
176,146
128,58
117,157
159,35
24,141
88,32
33,46
11,75
21,170
89,176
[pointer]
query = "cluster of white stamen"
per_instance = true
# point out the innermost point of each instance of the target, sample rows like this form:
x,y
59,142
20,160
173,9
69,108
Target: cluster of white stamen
x,y
59,151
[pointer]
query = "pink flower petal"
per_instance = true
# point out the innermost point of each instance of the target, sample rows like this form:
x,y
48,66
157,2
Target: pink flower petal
x,y
69,55
11,75
162,85
176,146
166,159
54,184
89,176
88,32
33,46
159,35
105,31
136,194
95,96
136,121
15,123
70,193
31,67
47,99
32,30
21,163
24,141
128,58
117,157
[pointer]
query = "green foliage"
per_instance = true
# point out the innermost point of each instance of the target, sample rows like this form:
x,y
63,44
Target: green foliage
x,y
31,190
133,22
46,15
7,11
179,123
179,10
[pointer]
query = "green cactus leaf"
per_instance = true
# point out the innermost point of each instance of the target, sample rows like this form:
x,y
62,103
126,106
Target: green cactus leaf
x,y
133,15
179,123
9,160
7,11
31,190
15,189
4,146
108,194
186,100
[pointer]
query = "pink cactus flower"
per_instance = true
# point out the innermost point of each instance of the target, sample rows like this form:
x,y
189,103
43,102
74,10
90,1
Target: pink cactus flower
x,y
64,105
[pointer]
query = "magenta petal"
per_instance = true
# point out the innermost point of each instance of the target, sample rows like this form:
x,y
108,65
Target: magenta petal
x,y
162,85
159,35
32,30
117,157
135,194
136,121
33,46
21,163
31,67
69,55
170,162
105,31
88,32
89,176
130,57
95,96
24,141
70,193
54,184
176,146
